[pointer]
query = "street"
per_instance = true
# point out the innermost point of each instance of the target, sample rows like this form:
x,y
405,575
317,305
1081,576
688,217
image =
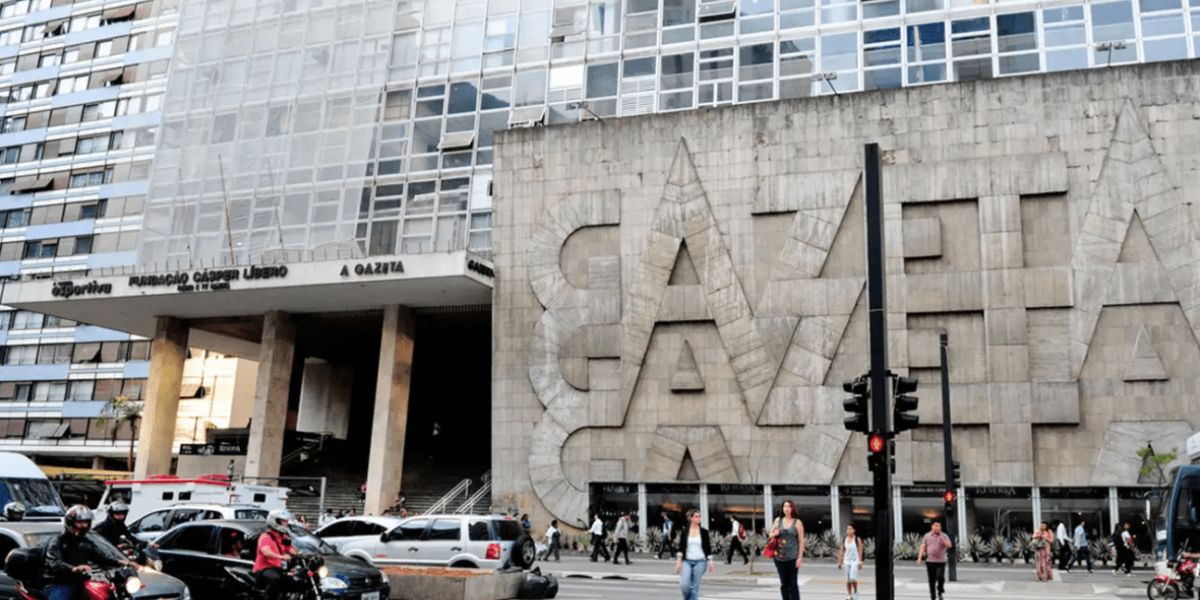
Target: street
x,y
581,579
587,589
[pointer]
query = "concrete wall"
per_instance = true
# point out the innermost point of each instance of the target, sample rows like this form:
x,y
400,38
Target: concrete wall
x,y
690,286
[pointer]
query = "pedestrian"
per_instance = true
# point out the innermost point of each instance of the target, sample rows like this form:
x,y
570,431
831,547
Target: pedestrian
x,y
229,469
351,512
325,518
849,558
667,536
1043,552
934,547
526,524
553,539
1081,547
622,533
694,556
403,512
362,493
1063,540
1123,543
737,533
302,521
788,529
597,532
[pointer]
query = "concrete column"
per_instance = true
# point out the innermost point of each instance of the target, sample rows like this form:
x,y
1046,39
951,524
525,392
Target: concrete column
x,y
325,399
156,433
268,417
643,518
768,510
835,513
386,465
704,506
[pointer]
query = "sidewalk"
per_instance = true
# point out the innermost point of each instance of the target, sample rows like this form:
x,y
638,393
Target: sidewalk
x,y
972,577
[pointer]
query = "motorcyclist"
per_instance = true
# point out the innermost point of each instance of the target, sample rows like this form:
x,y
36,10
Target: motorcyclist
x,y
114,528
14,511
274,547
70,555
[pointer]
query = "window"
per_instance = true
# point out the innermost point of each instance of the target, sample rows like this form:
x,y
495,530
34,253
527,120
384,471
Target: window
x,y
716,76
91,178
881,59
91,211
83,245
1017,41
49,60
972,37
756,16
839,55
1066,38
1112,28
10,155
446,530
102,110
81,390
1163,30
677,73
756,68
197,538
23,319
11,124
797,13
97,143
410,530
20,355
337,529
155,521
41,248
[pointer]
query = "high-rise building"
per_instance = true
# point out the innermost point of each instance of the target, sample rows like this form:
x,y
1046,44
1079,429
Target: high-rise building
x,y
82,87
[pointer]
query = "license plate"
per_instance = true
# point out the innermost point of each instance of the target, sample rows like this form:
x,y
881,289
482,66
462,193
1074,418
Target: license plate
x,y
370,596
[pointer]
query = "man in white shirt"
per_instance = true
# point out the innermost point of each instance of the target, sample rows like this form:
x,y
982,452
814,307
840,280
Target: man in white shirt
x,y
553,539
597,532
736,534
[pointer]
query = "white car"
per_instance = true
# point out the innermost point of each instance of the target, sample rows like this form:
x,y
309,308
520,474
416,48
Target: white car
x,y
154,524
481,542
350,529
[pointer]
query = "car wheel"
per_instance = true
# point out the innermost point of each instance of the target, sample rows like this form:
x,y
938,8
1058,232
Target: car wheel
x,y
524,552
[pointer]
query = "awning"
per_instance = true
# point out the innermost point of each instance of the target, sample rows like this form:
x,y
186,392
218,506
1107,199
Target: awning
x,y
527,116
716,11
36,184
120,13
51,430
457,140
52,471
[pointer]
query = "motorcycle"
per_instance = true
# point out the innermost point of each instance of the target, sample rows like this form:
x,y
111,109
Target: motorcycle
x,y
1177,580
302,579
139,552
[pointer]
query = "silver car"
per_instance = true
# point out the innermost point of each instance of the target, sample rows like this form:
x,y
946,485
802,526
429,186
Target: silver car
x,y
478,542
351,529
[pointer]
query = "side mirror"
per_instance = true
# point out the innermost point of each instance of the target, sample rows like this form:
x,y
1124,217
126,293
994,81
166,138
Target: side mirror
x,y
383,537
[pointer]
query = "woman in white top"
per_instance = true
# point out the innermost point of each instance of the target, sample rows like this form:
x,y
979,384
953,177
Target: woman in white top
x,y
851,557
694,556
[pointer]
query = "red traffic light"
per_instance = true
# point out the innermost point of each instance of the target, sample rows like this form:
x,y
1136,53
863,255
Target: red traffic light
x,y
876,443
949,496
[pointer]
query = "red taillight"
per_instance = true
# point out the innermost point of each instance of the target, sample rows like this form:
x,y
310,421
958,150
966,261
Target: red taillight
x,y
310,573
493,552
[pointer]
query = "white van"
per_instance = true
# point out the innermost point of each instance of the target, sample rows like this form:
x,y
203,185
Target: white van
x,y
22,481
163,491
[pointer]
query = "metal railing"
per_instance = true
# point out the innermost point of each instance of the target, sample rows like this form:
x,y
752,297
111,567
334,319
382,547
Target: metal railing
x,y
468,505
463,487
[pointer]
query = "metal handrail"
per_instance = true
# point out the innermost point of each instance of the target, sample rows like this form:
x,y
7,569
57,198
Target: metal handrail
x,y
463,487
468,505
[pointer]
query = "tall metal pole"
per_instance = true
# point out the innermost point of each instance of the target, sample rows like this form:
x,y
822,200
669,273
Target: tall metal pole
x,y
948,450
880,407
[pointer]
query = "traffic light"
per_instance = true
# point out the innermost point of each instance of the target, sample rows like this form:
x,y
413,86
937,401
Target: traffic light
x,y
956,475
902,420
876,444
949,497
856,405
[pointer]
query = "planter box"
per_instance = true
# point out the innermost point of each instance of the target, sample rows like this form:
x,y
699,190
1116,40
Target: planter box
x,y
452,584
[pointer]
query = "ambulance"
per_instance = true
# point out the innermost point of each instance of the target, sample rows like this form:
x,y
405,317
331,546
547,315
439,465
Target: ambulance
x,y
164,491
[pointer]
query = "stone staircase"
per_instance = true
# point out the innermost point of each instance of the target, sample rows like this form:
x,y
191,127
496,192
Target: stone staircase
x,y
423,486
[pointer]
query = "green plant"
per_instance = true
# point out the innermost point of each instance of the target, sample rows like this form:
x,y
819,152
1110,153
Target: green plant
x,y
831,542
1022,547
868,548
999,548
1102,550
121,410
908,546
1156,463
975,547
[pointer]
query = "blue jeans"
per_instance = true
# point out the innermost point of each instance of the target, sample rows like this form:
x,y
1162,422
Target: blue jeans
x,y
689,578
60,591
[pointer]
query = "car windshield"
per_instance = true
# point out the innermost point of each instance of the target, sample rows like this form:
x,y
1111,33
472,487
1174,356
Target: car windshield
x,y
37,495
37,539
311,544
249,514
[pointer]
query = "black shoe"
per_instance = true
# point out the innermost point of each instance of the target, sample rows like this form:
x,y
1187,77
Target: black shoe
x,y
628,563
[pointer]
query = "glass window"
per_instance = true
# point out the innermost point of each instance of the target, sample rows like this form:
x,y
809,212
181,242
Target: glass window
x,y
742,502
1064,26
446,530
837,11
971,36
197,538
1016,32
678,12
463,97
756,62
602,80
670,501
1112,21
1071,505
677,71
411,530
839,52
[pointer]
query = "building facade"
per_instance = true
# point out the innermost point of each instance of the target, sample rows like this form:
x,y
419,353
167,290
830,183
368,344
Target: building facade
x,y
683,295
82,87
295,159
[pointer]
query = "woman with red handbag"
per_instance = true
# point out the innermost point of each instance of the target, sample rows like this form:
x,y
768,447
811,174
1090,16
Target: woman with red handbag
x,y
787,533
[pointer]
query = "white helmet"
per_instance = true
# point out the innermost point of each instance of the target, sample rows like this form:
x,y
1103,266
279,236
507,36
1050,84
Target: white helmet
x,y
279,520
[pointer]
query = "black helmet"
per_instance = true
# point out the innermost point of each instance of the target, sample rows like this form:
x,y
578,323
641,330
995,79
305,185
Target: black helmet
x,y
75,515
14,511
118,508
